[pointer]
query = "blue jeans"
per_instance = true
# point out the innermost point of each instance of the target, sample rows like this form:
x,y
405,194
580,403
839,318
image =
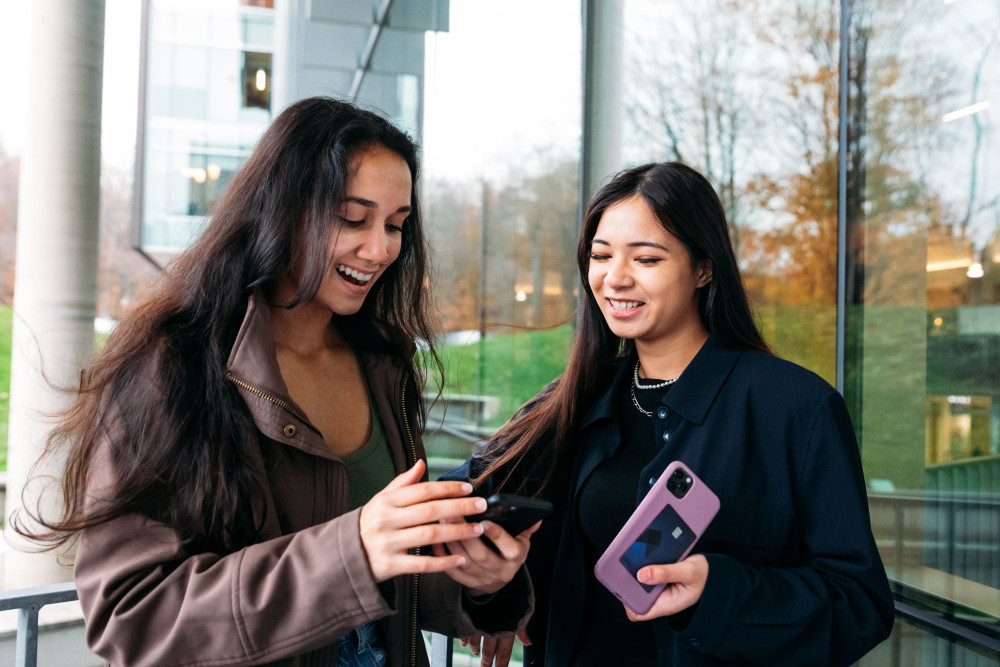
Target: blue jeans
x,y
363,647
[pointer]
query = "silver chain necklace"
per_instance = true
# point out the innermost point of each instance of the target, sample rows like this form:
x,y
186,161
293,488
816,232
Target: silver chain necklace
x,y
654,385
635,402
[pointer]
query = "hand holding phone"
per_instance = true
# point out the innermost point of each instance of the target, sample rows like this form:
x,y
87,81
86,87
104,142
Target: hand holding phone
x,y
663,529
515,514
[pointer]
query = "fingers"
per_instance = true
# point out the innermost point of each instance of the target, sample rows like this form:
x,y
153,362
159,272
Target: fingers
x,y
473,642
685,583
408,514
685,572
411,476
509,547
497,649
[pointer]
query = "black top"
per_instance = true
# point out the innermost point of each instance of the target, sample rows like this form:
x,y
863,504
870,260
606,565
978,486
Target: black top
x,y
607,500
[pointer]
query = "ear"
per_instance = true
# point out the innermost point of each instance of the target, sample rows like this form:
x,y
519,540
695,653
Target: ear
x,y
703,273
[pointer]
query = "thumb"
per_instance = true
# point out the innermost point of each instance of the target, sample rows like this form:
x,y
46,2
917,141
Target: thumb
x,y
529,531
408,477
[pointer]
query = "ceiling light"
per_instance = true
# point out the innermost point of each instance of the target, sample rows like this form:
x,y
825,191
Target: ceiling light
x,y
965,111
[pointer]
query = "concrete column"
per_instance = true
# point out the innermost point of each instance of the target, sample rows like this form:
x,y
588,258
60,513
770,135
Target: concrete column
x,y
603,107
288,22
57,241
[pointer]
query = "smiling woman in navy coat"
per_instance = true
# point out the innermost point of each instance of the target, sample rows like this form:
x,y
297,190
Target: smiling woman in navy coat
x,y
668,364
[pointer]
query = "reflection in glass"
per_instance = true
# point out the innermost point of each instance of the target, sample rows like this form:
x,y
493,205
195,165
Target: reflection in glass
x,y
747,94
501,157
208,97
924,210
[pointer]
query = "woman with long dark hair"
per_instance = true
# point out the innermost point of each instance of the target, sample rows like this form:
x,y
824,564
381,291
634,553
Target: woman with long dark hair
x,y
667,365
244,460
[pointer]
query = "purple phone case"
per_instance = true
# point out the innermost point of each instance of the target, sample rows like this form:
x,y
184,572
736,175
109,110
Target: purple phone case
x,y
681,522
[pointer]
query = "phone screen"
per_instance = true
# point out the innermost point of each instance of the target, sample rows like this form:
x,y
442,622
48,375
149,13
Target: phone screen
x,y
664,540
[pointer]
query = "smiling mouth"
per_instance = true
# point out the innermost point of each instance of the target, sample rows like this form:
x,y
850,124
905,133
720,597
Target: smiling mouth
x,y
353,276
619,304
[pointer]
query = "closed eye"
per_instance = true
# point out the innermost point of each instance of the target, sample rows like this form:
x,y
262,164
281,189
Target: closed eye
x,y
597,257
649,260
351,223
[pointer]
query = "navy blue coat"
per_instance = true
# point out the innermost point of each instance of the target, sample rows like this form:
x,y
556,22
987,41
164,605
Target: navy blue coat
x,y
794,575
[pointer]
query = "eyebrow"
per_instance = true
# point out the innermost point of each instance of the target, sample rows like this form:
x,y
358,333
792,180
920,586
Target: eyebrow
x,y
368,203
635,244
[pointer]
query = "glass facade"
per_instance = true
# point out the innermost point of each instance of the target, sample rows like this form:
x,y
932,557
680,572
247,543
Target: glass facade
x,y
207,99
923,311
501,148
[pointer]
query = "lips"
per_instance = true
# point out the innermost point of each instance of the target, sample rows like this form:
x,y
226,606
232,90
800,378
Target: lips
x,y
354,276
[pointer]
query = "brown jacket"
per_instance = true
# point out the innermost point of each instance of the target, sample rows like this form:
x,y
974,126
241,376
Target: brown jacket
x,y
288,599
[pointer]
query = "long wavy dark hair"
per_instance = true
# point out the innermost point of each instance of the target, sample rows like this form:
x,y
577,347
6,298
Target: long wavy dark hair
x,y
157,398
688,208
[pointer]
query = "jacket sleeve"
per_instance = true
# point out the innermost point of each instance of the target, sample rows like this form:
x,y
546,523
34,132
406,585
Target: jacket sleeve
x,y
504,614
831,608
148,601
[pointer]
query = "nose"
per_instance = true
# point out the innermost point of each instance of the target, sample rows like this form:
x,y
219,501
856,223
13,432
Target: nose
x,y
374,246
618,275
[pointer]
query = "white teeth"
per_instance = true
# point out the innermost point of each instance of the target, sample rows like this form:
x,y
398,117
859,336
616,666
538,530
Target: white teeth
x,y
624,305
357,275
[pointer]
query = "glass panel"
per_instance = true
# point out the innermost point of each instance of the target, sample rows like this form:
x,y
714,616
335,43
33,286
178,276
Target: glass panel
x,y
208,100
747,94
924,363
911,646
501,156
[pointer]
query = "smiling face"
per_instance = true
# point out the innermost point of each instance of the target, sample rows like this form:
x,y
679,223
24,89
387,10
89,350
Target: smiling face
x,y
642,277
369,232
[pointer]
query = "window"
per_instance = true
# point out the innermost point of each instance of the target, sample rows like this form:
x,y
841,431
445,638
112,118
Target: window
x,y
501,161
923,354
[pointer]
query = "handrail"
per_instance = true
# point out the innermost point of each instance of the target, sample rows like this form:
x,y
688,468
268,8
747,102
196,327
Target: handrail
x,y
28,602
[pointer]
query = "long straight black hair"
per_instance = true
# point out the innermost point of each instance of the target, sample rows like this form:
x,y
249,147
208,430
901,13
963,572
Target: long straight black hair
x,y
157,401
688,208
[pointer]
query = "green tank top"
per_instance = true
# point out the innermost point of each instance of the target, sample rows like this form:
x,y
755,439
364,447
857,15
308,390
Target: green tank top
x,y
370,468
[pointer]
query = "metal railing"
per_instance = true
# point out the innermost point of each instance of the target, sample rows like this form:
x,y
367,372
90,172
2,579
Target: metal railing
x,y
28,602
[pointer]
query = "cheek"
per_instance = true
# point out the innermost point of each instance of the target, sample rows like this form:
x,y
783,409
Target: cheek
x,y
595,278
395,248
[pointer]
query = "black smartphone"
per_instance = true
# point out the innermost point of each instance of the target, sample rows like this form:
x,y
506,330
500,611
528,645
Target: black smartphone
x,y
515,514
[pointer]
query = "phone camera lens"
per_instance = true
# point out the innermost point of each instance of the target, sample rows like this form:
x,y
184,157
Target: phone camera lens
x,y
679,483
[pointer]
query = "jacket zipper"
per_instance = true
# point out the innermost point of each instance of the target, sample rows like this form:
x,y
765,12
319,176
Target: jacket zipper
x,y
416,577
273,399
413,460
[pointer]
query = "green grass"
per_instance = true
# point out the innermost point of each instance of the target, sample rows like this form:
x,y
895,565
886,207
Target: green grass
x,y
6,318
514,367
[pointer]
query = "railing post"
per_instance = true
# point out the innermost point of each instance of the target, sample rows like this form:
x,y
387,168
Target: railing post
x,y
441,650
26,652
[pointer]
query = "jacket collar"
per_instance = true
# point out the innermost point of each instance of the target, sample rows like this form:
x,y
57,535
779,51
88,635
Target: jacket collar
x,y
253,358
253,361
691,397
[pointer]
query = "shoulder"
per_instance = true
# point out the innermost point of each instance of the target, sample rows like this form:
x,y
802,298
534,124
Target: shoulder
x,y
778,387
782,376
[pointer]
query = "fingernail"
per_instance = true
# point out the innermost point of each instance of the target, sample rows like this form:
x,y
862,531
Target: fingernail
x,y
644,576
461,561
481,505
479,528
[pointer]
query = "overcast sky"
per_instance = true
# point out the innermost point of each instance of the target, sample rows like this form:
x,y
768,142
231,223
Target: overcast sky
x,y
121,77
